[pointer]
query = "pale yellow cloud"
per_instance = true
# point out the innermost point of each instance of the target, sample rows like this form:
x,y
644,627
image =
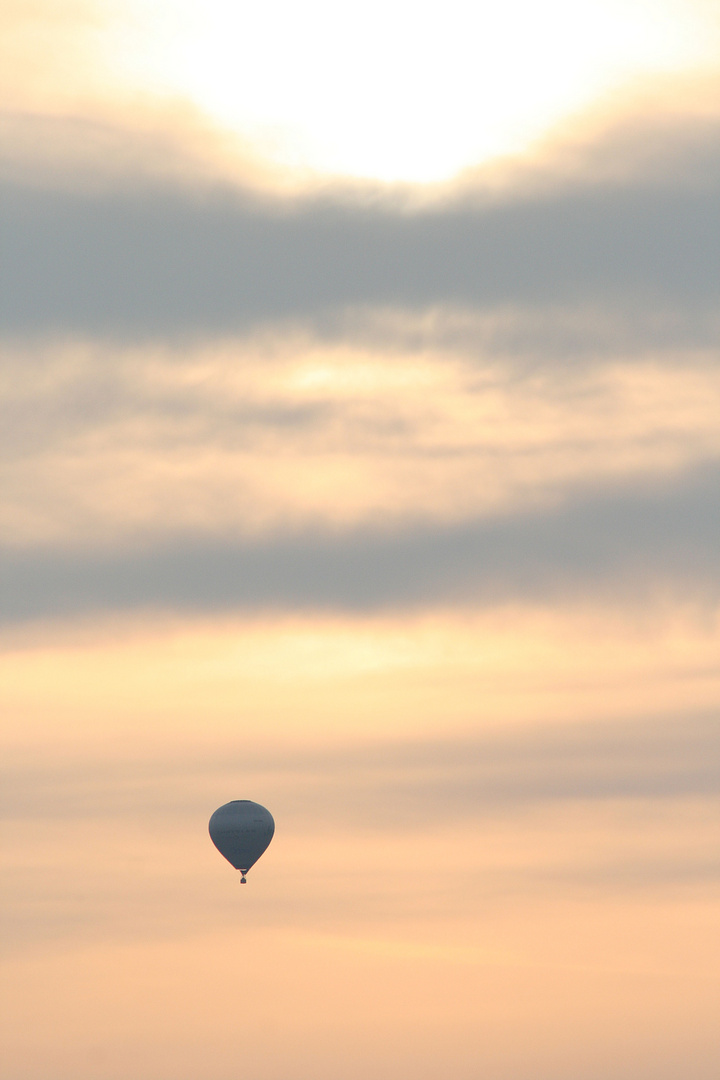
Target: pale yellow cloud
x,y
324,90
49,54
329,678
226,88
250,437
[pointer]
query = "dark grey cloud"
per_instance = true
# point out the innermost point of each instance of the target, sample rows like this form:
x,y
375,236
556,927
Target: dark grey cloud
x,y
164,260
632,544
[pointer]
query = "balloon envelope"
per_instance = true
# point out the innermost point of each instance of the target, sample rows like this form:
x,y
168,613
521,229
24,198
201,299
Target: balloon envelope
x,y
241,830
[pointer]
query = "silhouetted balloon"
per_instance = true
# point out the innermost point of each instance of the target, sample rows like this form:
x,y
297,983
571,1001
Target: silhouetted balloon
x,y
241,830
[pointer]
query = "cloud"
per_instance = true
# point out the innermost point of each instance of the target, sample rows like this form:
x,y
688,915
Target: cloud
x,y
403,783
632,545
168,259
101,846
280,434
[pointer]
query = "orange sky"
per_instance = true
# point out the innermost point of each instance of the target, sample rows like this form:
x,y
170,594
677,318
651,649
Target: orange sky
x,y
392,506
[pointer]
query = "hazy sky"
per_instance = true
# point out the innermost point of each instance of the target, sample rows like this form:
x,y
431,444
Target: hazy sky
x,y
361,457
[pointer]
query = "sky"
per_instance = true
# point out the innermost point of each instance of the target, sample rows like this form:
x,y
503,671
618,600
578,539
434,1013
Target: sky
x,y
361,457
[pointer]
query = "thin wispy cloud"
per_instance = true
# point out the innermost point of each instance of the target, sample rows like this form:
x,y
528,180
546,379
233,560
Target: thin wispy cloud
x,y
419,783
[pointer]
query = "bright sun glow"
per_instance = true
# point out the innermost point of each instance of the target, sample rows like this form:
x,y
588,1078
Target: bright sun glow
x,y
399,90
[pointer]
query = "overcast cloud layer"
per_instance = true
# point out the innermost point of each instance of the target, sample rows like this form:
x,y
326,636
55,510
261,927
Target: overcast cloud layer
x,y
163,263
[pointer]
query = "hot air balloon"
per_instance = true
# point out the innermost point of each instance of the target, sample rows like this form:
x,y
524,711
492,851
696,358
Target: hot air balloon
x,y
241,830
